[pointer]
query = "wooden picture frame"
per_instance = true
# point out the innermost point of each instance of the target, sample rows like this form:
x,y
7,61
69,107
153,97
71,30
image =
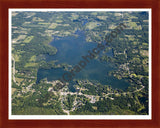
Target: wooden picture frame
x,y
4,39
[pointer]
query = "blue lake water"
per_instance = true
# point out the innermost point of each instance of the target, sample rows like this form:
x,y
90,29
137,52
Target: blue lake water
x,y
70,51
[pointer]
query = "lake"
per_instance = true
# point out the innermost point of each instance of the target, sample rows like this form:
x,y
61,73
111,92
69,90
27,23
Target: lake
x,y
70,49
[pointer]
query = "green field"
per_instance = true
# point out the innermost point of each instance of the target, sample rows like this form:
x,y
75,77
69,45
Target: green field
x,y
28,39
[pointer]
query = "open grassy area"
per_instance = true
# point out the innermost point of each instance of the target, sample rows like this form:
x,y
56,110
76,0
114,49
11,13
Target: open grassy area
x,y
132,24
94,13
14,13
44,23
91,25
53,26
28,39
13,90
21,37
145,61
102,17
145,44
67,33
19,80
133,17
33,58
112,26
59,21
118,14
16,57
74,16
37,19
144,52
31,65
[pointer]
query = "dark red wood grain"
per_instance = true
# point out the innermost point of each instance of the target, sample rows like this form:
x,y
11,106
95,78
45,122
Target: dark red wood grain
x,y
6,4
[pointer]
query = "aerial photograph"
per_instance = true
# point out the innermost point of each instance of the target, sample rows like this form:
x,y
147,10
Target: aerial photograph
x,y
79,62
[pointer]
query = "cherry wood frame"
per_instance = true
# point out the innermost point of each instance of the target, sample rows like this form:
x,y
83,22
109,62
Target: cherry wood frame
x,y
6,4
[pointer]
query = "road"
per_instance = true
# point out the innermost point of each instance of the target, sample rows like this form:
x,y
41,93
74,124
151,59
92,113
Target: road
x,y
14,70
